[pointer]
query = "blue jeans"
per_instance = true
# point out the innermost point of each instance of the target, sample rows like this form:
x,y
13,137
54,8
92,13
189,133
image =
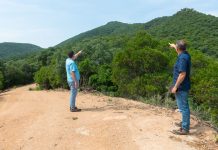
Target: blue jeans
x,y
183,105
73,94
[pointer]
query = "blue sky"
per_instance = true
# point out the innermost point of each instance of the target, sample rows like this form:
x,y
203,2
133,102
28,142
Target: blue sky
x,y
49,22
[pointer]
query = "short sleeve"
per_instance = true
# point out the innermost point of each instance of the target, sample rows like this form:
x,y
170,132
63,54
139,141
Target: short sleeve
x,y
72,67
183,63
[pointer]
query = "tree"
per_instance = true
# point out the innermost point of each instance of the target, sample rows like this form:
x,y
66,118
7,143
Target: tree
x,y
131,69
87,68
102,81
42,77
13,76
1,81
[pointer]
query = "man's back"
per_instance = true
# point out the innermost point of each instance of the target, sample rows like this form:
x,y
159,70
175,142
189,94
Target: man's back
x,y
183,64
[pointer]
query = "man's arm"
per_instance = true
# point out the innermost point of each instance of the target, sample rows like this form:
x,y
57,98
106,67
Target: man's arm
x,y
74,79
172,45
76,55
179,81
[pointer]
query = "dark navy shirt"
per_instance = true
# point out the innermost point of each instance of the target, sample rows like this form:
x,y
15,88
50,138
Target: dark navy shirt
x,y
183,64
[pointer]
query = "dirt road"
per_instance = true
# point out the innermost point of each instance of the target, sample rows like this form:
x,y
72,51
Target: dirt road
x,y
41,120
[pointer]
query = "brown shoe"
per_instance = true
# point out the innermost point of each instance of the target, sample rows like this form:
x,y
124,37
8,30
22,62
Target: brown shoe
x,y
180,132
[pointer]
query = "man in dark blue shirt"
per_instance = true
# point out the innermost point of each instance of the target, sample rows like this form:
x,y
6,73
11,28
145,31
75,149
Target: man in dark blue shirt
x,y
182,85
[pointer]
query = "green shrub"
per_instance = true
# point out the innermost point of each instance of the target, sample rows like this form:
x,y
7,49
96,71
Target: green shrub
x,y
102,80
87,68
42,77
13,76
140,72
1,81
205,90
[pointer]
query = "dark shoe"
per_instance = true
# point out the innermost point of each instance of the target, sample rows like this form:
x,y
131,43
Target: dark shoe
x,y
180,132
75,109
72,108
178,124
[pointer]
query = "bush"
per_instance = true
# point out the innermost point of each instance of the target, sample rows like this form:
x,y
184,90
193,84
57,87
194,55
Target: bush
x,y
42,77
87,68
15,76
1,81
205,90
102,80
140,72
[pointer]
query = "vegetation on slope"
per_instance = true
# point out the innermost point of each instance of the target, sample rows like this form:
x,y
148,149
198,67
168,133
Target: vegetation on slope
x,y
16,50
199,29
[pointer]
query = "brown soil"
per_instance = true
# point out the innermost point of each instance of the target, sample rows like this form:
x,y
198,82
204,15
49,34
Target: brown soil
x,y
41,120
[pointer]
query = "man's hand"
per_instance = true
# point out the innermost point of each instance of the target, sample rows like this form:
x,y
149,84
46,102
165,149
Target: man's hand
x,y
174,90
172,45
76,55
80,52
178,82
76,84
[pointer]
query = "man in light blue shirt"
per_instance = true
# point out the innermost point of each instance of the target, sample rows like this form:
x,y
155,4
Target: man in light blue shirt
x,y
73,77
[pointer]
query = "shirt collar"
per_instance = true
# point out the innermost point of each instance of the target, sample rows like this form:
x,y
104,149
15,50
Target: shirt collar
x,y
183,52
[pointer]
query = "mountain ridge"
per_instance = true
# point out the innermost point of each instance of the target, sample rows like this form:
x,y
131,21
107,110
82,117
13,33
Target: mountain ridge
x,y
198,29
14,49
111,28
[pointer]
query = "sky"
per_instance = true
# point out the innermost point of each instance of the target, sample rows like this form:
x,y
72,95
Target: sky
x,y
48,22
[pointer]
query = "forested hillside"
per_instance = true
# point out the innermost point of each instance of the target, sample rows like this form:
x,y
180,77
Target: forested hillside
x,y
131,61
11,50
199,29
111,28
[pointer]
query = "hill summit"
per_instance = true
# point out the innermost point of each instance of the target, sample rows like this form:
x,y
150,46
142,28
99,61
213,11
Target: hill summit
x,y
9,49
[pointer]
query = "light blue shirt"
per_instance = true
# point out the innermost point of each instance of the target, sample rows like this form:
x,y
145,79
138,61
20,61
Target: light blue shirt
x,y
71,66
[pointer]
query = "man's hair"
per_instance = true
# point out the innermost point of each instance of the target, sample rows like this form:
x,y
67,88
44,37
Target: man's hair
x,y
181,45
70,54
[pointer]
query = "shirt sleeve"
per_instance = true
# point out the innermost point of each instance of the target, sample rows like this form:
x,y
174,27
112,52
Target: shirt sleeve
x,y
72,67
183,63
